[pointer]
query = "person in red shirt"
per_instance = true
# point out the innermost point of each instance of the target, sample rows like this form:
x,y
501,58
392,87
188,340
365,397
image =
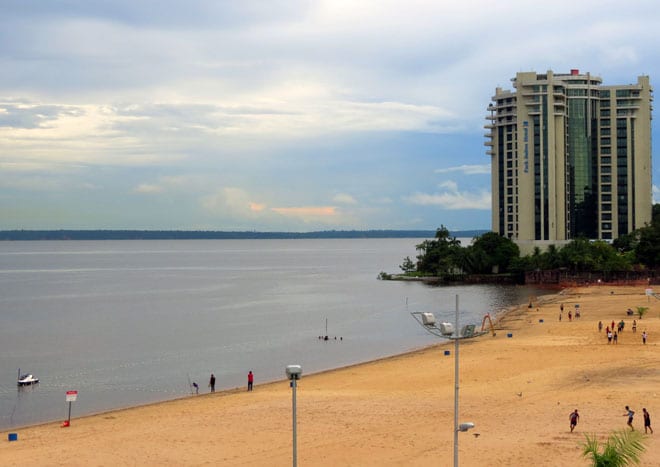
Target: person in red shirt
x,y
250,380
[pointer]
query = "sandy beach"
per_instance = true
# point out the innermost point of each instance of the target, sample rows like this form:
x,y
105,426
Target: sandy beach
x,y
517,390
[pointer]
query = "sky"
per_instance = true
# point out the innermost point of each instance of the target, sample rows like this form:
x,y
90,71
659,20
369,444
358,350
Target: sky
x,y
280,115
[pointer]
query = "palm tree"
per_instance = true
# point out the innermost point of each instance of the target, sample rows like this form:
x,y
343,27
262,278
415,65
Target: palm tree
x,y
641,311
622,448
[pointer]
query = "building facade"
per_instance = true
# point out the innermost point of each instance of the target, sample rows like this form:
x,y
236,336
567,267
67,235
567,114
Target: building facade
x,y
570,157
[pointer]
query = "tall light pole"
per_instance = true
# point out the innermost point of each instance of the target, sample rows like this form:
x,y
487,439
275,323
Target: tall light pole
x,y
428,322
293,372
456,336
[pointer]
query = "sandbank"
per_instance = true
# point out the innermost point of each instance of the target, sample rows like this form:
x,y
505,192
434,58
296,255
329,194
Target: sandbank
x,y
399,411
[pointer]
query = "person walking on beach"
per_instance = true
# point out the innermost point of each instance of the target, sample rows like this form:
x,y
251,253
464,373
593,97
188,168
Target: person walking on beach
x,y
212,382
574,417
570,315
615,338
644,337
609,337
647,421
630,414
600,326
634,326
250,380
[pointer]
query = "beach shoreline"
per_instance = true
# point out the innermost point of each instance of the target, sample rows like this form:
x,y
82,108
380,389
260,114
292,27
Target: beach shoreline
x,y
518,387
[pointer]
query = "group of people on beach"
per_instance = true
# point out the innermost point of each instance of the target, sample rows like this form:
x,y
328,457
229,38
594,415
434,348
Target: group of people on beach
x,y
574,417
570,313
630,413
612,334
250,382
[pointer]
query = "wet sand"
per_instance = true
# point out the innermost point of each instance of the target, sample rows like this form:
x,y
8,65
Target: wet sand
x,y
518,391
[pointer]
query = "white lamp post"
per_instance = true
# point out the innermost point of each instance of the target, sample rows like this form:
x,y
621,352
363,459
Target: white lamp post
x,y
462,426
293,372
445,330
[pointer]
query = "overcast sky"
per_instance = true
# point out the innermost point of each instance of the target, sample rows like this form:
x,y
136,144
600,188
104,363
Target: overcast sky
x,y
282,114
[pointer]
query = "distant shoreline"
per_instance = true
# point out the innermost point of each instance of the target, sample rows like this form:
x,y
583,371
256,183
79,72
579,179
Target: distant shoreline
x,y
35,235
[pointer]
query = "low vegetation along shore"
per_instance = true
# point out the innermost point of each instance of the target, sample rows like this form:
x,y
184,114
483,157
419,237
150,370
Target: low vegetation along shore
x,y
517,387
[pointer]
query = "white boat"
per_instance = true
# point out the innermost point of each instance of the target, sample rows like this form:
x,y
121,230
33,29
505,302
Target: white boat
x,y
26,379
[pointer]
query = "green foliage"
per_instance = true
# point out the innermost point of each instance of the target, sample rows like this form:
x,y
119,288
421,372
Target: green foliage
x,y
648,247
642,310
408,265
438,256
621,448
489,253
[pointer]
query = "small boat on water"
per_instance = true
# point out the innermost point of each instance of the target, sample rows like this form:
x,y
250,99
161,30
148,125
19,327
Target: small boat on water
x,y
26,379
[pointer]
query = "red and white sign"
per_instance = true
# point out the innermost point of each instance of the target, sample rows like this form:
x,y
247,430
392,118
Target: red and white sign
x,y
71,396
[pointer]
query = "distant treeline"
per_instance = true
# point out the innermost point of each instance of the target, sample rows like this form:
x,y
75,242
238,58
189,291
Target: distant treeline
x,y
217,235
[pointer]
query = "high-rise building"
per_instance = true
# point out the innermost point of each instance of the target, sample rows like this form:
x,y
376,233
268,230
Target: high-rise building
x,y
570,157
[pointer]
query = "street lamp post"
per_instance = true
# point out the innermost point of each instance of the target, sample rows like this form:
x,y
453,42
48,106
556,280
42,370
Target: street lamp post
x,y
293,372
462,426
456,336
428,322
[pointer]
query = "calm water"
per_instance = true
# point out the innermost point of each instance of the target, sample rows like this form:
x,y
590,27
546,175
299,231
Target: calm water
x,y
132,322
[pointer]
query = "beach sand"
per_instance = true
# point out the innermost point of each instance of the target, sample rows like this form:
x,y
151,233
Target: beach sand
x,y
518,391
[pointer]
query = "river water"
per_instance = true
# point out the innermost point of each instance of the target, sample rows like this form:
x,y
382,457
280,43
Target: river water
x,y
132,322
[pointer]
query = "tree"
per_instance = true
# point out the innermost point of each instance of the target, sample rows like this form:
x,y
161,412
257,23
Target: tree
x,y
648,247
408,265
576,254
494,253
642,310
438,256
621,448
